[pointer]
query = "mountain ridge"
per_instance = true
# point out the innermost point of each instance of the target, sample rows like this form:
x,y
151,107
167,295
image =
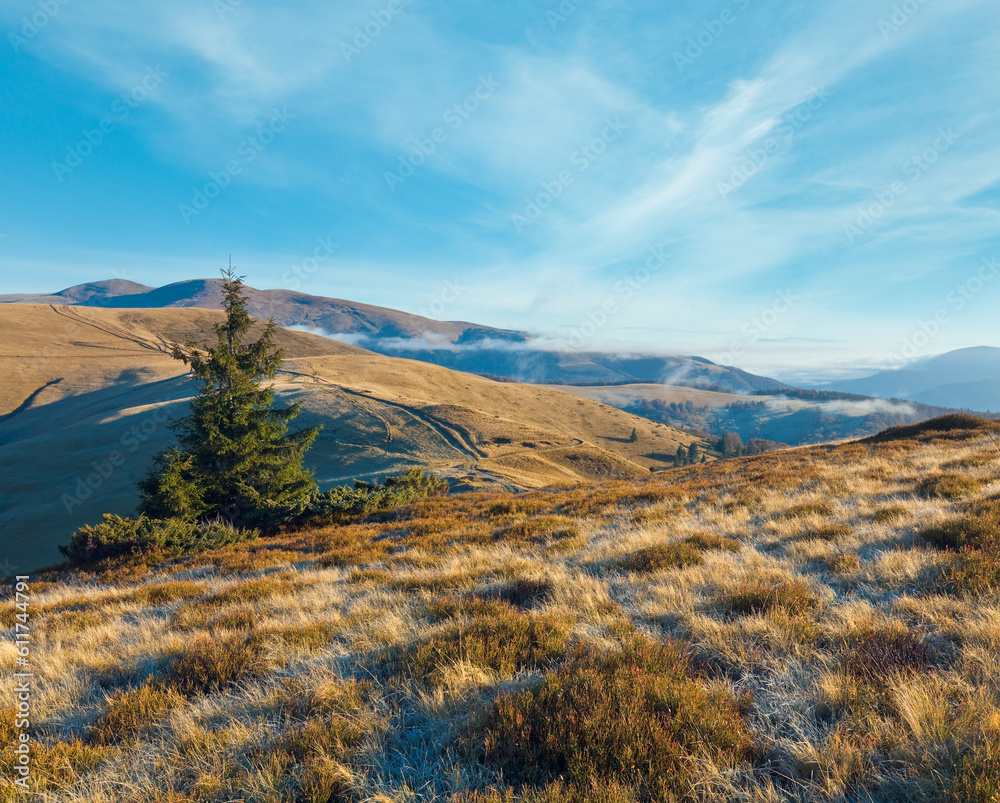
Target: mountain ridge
x,y
964,378
459,345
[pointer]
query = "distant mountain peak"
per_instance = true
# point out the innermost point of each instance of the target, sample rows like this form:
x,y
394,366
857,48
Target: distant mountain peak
x,y
460,345
111,287
967,378
82,293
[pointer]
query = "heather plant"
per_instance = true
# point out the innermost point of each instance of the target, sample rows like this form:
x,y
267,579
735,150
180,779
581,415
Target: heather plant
x,y
504,641
947,486
633,717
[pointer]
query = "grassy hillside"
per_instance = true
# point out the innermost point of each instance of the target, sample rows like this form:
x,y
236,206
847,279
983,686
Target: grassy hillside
x,y
89,395
820,624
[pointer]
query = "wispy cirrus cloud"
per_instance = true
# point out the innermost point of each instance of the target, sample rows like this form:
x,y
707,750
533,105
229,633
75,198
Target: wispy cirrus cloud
x,y
684,133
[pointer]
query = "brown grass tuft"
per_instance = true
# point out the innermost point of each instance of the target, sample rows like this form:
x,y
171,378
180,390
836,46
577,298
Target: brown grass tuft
x,y
843,563
659,557
677,555
975,775
538,530
134,712
210,664
979,529
630,718
505,642
948,486
889,515
973,573
764,595
804,509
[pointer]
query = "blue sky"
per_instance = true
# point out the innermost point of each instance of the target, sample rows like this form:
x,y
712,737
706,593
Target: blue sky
x,y
817,180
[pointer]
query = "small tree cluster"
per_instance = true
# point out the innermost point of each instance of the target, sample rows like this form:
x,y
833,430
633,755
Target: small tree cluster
x,y
731,445
688,456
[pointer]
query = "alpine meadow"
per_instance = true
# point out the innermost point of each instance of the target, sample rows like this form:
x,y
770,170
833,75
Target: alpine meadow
x,y
500,402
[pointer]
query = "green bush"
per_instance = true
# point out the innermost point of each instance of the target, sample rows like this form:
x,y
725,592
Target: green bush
x,y
366,498
234,456
118,537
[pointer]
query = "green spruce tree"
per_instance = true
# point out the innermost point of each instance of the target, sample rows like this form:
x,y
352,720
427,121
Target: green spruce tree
x,y
634,437
682,456
235,458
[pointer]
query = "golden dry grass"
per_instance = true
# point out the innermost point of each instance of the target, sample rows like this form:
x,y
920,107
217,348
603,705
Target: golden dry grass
x,y
806,626
89,392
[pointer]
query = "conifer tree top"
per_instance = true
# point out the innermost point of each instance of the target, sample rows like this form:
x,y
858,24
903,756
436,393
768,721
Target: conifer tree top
x,y
235,458
231,356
